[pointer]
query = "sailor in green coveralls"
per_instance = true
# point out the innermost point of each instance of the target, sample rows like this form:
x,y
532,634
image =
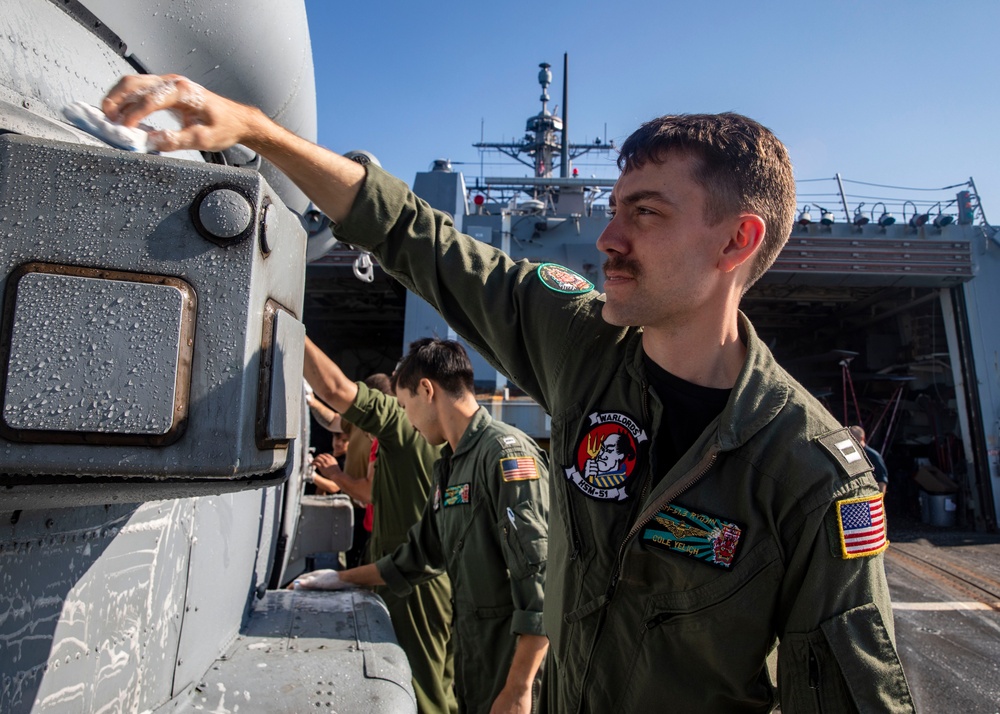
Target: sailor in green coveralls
x,y
731,514
401,485
485,525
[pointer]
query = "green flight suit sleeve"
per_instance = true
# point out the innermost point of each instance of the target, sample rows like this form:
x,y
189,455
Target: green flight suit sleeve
x,y
844,662
419,559
381,416
498,306
520,511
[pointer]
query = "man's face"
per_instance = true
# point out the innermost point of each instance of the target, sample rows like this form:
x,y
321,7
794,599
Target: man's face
x,y
662,255
421,413
340,444
609,457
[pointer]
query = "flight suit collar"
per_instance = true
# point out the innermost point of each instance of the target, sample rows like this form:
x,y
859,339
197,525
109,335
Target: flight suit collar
x,y
758,396
480,420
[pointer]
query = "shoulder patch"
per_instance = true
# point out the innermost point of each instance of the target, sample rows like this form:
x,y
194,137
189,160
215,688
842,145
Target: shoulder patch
x,y
563,280
861,526
844,450
519,468
507,441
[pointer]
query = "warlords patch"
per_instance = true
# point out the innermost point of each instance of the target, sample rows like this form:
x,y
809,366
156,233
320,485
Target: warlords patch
x,y
606,456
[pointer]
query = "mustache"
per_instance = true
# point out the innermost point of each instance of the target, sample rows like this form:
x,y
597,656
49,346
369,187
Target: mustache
x,y
622,264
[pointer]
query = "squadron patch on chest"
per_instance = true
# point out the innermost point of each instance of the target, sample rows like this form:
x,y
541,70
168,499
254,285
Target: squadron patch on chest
x,y
705,538
606,456
563,280
457,495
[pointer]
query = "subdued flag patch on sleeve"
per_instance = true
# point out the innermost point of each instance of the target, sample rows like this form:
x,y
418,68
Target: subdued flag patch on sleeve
x,y
519,468
861,524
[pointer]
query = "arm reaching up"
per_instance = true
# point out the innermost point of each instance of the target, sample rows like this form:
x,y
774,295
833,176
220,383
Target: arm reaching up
x,y
213,123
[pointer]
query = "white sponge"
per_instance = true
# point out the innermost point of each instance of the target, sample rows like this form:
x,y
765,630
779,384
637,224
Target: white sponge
x,y
93,121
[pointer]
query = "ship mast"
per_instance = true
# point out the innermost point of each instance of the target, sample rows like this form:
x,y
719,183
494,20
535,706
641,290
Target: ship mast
x,y
542,146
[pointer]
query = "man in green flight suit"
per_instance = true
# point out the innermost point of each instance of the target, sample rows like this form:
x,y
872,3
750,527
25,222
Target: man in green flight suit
x,y
399,489
485,525
731,513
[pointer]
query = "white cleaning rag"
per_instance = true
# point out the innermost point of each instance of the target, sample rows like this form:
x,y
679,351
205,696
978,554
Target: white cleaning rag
x,y
93,121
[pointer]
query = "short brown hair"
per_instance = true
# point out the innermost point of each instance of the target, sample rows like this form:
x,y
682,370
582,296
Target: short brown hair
x,y
741,165
443,361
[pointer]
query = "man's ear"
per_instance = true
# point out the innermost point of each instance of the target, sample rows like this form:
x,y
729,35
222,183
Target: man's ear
x,y
425,388
746,237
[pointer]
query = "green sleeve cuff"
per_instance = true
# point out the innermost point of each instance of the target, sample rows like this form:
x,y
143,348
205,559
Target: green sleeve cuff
x,y
393,577
358,411
526,622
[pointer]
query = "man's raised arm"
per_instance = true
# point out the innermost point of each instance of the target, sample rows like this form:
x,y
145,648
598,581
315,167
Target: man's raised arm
x,y
327,378
213,123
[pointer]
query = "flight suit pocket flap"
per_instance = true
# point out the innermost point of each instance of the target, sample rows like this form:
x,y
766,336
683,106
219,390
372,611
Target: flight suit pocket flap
x,y
864,651
524,542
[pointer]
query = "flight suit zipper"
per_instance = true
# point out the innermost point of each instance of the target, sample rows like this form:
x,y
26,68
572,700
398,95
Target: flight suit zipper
x,y
573,528
687,481
814,679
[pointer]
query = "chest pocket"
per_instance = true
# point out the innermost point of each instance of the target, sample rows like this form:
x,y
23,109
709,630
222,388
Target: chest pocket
x,y
525,547
456,518
699,588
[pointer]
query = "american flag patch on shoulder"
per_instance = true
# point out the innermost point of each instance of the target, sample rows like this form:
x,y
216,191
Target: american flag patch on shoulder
x,y
519,468
861,523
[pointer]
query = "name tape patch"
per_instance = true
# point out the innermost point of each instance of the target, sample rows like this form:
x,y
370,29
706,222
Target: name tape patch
x,y
706,538
457,495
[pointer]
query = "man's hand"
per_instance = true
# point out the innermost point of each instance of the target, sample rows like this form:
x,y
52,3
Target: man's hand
x,y
328,467
208,122
320,580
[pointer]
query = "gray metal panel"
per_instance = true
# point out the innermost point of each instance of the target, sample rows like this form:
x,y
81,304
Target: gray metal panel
x,y
92,601
220,579
302,652
982,297
93,355
144,224
325,525
284,416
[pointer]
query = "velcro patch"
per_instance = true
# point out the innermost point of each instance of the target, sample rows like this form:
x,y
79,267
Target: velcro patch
x,y
848,454
519,468
507,441
861,526
457,495
708,539
563,280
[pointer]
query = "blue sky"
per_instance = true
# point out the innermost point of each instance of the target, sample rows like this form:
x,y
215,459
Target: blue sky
x,y
886,92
